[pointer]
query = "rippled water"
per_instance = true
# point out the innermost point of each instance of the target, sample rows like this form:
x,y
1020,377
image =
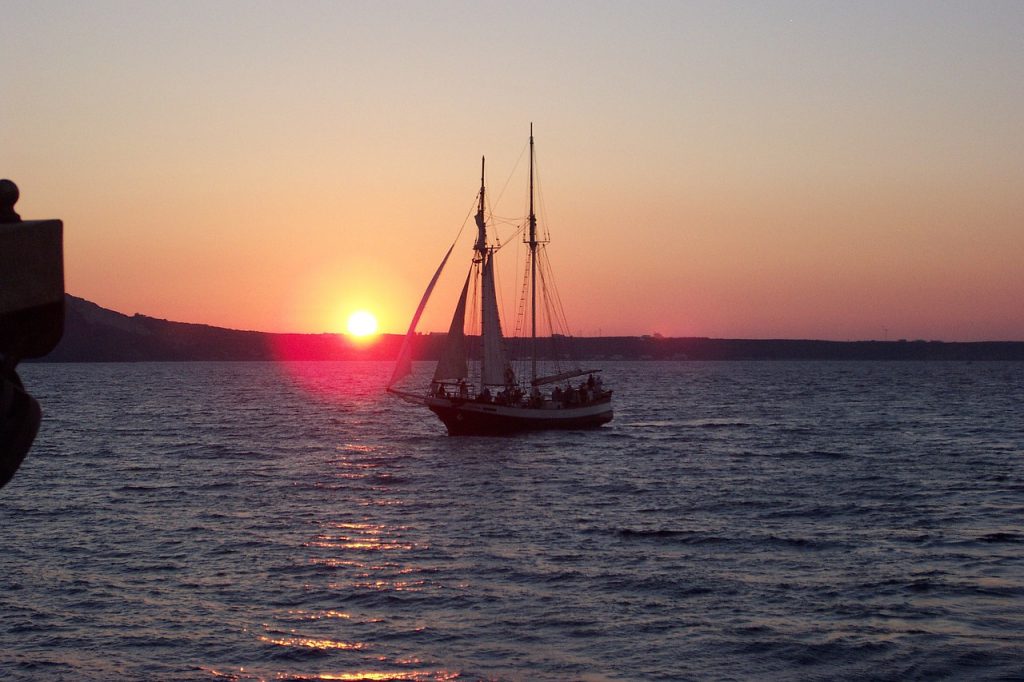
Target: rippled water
x,y
735,521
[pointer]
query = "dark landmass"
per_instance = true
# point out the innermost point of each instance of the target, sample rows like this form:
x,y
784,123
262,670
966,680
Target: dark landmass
x,y
95,334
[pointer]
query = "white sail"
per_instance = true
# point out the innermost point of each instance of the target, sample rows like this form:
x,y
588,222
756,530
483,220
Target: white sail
x,y
494,363
452,364
403,365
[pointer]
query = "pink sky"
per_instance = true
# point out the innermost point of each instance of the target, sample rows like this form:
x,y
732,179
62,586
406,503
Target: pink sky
x,y
786,170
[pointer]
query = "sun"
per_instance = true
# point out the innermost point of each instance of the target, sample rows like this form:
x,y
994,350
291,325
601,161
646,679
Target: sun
x,y
362,323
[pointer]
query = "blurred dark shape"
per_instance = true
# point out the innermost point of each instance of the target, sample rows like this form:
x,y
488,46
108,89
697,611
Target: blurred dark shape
x,y
19,422
31,318
8,198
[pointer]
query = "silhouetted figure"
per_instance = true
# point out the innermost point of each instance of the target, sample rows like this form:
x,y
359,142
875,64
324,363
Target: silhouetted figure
x,y
8,198
31,319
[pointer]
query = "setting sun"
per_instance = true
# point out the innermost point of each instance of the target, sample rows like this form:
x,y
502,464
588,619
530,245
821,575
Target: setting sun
x,y
362,323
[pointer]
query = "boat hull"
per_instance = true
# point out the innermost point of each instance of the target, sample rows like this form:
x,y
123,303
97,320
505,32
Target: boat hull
x,y
463,417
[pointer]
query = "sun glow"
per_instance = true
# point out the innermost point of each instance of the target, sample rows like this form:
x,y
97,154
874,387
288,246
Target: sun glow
x,y
362,324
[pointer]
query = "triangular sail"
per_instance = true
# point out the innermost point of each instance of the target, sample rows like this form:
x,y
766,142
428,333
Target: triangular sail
x,y
493,371
403,365
452,364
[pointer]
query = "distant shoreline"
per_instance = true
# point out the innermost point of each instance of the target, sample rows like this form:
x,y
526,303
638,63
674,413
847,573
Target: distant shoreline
x,y
95,334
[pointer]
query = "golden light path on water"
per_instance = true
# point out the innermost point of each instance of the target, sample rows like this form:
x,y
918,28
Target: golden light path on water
x,y
366,676
359,555
313,643
381,677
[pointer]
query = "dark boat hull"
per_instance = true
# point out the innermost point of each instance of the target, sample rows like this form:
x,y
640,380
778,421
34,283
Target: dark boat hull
x,y
475,418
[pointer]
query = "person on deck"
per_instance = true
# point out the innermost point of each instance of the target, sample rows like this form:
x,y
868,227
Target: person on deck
x,y
584,392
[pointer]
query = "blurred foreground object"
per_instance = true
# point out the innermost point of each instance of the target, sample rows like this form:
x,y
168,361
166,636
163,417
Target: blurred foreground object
x,y
31,318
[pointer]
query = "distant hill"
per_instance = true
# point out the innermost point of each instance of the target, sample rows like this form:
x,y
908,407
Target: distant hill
x,y
95,334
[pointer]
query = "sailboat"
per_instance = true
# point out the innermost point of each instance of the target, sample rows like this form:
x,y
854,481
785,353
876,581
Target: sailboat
x,y
501,392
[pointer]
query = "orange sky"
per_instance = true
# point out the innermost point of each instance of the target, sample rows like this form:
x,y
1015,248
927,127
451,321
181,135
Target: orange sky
x,y
791,170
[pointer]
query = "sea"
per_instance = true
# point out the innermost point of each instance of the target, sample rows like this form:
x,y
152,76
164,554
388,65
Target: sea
x,y
736,521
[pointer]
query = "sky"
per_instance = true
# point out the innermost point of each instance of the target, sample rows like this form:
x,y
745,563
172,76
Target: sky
x,y
825,170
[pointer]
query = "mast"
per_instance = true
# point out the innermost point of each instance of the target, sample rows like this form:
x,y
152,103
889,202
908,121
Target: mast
x,y
481,249
481,238
493,363
533,271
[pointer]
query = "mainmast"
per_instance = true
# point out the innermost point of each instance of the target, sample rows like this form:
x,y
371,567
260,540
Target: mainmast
x,y
533,271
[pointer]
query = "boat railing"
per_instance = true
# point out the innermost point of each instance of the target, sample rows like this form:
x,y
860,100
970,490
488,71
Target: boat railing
x,y
516,396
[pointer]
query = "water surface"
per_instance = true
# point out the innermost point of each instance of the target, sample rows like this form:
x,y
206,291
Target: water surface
x,y
203,521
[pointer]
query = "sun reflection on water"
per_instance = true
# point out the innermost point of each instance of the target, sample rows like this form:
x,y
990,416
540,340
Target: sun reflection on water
x,y
354,676
318,615
380,502
331,562
363,537
359,558
392,585
380,676
313,643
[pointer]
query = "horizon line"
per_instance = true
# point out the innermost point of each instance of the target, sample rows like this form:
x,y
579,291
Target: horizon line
x,y
654,335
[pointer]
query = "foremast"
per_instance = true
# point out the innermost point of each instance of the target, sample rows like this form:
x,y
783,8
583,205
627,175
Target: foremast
x,y
494,367
481,224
